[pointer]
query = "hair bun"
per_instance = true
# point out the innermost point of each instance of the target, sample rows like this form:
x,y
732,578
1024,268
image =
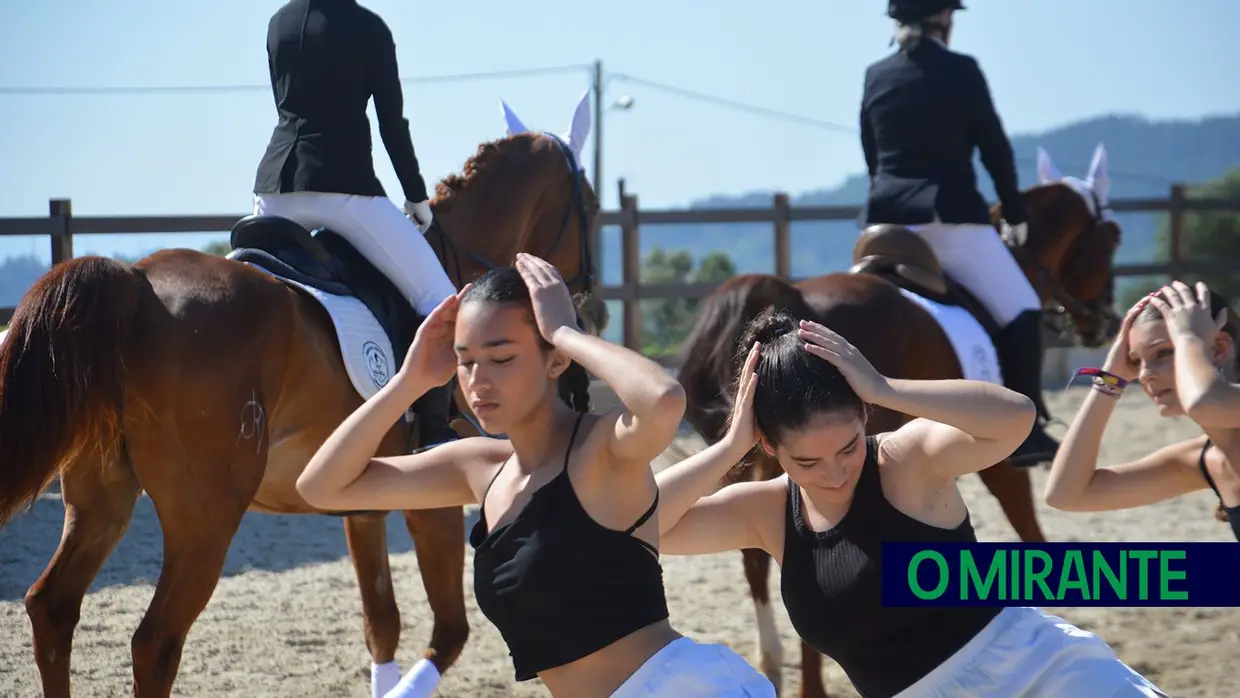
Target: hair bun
x,y
771,324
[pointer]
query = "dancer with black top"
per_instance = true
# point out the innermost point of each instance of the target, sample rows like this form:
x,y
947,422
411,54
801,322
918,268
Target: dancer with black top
x,y
1180,345
566,560
803,395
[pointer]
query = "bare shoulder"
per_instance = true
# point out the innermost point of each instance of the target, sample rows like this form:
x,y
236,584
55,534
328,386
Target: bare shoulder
x,y
762,499
1182,455
477,458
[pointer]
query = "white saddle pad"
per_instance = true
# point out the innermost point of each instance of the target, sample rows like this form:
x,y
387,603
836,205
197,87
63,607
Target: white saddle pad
x,y
3,334
364,347
973,345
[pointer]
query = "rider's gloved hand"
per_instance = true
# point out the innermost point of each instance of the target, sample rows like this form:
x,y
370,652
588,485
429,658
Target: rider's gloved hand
x,y
1014,234
420,215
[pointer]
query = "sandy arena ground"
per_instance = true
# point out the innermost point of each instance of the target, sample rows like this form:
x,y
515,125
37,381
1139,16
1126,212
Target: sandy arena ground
x,y
286,617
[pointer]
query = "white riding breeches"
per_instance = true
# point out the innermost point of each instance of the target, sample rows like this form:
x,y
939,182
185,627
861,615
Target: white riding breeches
x,y
378,230
1025,652
688,669
977,258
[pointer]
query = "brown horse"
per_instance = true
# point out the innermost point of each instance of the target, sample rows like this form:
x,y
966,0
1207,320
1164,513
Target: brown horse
x,y
208,384
1069,251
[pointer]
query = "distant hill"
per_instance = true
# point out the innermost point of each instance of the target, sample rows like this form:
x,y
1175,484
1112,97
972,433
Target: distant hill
x,y
1145,158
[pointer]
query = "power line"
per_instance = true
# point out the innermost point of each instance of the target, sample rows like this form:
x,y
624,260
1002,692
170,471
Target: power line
x,y
810,121
732,104
218,89
705,98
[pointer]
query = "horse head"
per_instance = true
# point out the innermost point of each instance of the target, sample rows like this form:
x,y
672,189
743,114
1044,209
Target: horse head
x,y
526,192
1069,252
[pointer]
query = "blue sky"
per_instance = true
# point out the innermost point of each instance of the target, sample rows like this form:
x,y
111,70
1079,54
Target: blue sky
x,y
1049,62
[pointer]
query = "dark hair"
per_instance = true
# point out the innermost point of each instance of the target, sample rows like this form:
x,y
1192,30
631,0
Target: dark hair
x,y
1217,304
505,285
793,385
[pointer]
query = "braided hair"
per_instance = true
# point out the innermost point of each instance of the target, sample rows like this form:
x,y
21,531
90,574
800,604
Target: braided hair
x,y
505,285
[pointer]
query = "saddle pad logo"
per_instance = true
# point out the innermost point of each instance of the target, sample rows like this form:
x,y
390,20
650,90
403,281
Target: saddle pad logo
x,y
376,364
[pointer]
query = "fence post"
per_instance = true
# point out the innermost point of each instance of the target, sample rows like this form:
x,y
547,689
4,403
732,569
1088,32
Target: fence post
x,y
630,236
62,242
783,235
1176,226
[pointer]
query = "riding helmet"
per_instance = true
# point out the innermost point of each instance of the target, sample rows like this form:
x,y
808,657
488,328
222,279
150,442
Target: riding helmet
x,y
913,10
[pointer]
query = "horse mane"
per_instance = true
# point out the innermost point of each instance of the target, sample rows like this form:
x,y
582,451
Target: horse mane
x,y
1048,217
478,165
709,355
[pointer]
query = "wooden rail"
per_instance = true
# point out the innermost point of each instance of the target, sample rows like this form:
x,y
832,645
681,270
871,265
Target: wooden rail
x,y
60,226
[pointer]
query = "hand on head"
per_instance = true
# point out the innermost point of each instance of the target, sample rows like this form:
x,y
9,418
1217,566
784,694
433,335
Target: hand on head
x,y
553,304
431,355
829,346
1186,313
741,428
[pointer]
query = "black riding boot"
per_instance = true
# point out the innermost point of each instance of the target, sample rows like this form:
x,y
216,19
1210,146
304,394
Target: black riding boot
x,y
433,410
1020,352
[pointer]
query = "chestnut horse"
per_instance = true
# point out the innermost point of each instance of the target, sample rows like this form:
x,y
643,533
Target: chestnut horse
x,y
1068,256
208,384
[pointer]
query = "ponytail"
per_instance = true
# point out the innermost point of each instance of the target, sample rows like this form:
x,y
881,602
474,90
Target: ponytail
x,y
574,387
908,36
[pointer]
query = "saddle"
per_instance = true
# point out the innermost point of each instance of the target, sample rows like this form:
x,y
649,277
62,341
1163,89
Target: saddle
x,y
886,248
897,254
326,261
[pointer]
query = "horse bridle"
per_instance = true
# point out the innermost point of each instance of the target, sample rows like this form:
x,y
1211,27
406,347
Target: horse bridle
x,y
585,276
1048,285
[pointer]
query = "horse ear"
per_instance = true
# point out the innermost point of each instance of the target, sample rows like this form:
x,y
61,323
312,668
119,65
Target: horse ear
x,y
580,126
1099,179
512,121
1047,172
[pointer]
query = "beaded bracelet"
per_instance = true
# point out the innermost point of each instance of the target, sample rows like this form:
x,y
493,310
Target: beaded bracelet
x,y
1104,382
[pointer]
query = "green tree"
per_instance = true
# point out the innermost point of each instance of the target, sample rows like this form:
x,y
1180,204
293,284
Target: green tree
x,y
219,248
667,321
1207,235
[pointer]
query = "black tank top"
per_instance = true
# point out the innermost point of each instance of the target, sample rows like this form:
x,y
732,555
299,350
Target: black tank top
x,y
1233,513
557,584
832,589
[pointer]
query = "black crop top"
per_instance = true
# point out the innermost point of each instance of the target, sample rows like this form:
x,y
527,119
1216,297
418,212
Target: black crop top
x,y
1233,513
832,589
557,584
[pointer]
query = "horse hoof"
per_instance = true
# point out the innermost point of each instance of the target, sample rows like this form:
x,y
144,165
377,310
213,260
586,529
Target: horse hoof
x,y
772,668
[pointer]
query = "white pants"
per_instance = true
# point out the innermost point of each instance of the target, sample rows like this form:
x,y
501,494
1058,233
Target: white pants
x,y
378,230
1026,653
977,258
687,669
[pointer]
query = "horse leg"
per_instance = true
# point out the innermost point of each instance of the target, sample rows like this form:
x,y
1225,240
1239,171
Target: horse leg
x,y
201,490
811,673
439,542
99,499
367,540
1013,488
770,650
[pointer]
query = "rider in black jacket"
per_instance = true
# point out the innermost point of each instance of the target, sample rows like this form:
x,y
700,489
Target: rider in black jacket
x,y
924,110
327,58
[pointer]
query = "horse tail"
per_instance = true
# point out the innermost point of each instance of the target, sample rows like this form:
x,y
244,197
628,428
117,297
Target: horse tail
x,y
709,355
62,373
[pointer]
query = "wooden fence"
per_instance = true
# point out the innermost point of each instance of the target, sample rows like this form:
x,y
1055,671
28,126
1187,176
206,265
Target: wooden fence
x,y
61,226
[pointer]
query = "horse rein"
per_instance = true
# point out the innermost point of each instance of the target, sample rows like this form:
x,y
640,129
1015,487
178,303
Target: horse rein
x,y
585,276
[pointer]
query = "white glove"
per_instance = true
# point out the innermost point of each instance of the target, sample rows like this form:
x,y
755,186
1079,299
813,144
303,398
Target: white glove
x,y
420,215
1014,234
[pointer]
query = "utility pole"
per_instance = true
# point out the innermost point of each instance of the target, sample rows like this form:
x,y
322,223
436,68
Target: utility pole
x,y
598,171
598,128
